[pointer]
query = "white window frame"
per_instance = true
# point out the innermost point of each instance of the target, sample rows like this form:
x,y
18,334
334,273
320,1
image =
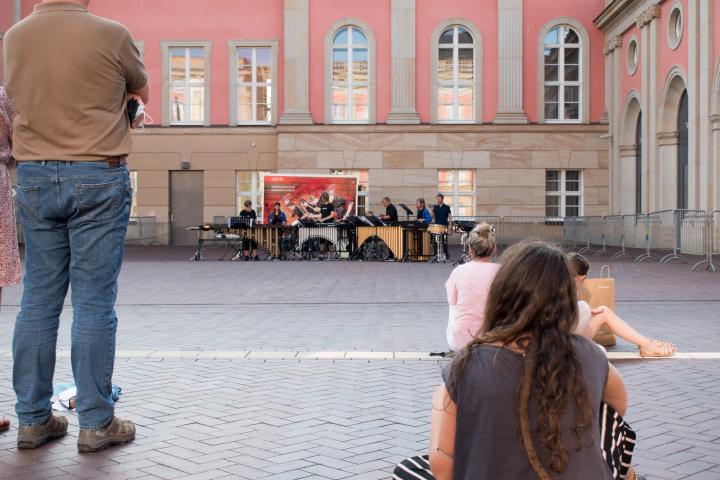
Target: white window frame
x,y
233,46
676,15
563,193
360,194
371,83
477,65
255,193
583,73
167,84
456,83
632,55
455,193
140,44
133,174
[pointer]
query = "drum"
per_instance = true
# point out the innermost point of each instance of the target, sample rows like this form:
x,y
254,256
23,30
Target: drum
x,y
437,229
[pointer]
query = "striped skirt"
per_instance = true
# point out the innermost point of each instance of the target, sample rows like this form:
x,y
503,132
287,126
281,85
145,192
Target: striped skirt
x,y
618,442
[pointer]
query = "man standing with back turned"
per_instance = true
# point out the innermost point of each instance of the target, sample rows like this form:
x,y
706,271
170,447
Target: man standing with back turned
x,y
68,76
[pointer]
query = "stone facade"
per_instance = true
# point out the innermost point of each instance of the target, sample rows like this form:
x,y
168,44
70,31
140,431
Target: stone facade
x,y
403,162
219,153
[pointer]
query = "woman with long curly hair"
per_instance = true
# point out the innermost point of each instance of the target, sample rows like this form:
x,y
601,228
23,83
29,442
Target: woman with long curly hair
x,y
523,399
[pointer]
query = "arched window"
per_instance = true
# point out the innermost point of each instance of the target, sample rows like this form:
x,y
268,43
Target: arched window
x,y
562,75
682,153
638,164
563,71
350,76
455,75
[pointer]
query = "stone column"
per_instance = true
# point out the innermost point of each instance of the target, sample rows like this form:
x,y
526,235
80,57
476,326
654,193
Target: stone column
x,y
510,63
612,52
715,142
667,152
699,31
626,176
403,63
296,86
703,22
647,24
17,10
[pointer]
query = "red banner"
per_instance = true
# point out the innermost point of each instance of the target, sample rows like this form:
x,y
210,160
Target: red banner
x,y
299,195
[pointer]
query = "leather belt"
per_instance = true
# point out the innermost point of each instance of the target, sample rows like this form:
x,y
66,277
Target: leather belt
x,y
115,162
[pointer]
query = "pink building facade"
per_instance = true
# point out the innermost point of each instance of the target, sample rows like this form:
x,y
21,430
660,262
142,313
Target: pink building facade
x,y
662,73
508,107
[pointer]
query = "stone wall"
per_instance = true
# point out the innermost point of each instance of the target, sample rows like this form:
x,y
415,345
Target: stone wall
x,y
218,152
510,161
402,160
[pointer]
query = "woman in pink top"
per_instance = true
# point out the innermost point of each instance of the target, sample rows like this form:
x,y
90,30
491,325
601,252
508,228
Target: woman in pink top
x,y
10,270
468,287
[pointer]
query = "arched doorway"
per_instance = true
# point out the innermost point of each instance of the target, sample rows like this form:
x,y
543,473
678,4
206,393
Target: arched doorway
x,y
630,169
673,159
682,153
638,164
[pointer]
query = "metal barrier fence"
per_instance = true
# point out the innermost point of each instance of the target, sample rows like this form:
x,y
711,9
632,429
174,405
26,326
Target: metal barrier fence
x,y
569,230
615,235
495,221
663,229
597,227
711,242
144,231
692,235
516,228
664,236
582,233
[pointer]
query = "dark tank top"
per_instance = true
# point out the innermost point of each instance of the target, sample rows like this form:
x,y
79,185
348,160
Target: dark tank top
x,y
487,439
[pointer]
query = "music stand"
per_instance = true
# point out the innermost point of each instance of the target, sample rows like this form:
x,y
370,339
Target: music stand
x,y
375,221
408,212
366,221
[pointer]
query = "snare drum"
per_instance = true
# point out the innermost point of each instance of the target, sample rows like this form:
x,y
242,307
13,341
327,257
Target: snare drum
x,y
437,229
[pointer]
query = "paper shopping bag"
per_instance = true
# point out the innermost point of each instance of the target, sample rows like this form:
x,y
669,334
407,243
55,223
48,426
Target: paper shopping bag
x,y
601,292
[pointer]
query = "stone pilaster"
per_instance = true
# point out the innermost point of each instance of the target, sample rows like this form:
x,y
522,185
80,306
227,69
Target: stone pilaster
x,y
613,64
703,22
296,84
403,63
510,63
715,126
17,10
648,26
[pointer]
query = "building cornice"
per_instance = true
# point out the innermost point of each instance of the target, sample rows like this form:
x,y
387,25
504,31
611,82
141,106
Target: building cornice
x,y
620,15
715,121
628,150
595,128
648,16
611,12
612,44
667,138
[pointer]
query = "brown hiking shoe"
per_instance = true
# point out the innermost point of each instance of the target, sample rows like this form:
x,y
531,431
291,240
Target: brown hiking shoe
x,y
116,432
35,436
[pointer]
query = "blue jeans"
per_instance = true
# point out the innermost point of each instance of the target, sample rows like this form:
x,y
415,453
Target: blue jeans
x,y
74,217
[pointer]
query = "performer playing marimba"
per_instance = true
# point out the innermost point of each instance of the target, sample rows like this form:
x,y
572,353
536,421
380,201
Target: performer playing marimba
x,y
442,214
277,218
423,214
391,213
249,245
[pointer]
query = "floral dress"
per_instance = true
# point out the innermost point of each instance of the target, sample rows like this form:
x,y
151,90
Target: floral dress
x,y
10,268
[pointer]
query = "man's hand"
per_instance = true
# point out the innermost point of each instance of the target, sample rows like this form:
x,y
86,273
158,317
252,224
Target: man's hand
x,y
140,118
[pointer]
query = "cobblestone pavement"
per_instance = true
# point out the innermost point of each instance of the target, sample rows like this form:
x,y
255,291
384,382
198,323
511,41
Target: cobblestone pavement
x,y
290,419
